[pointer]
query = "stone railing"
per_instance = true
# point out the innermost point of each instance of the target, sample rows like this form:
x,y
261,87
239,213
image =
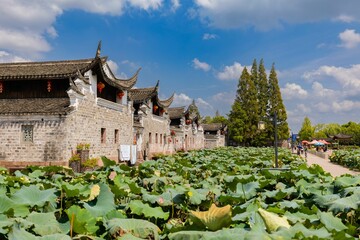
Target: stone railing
x,y
108,104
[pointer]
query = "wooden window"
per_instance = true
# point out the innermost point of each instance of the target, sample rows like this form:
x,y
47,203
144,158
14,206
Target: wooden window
x,y
150,138
164,139
156,138
27,132
116,136
103,135
160,138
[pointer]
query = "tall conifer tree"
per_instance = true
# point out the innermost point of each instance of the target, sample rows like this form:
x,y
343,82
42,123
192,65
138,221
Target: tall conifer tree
x,y
276,105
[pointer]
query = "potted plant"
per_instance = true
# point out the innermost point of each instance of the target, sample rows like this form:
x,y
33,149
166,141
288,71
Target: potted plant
x,y
75,162
89,164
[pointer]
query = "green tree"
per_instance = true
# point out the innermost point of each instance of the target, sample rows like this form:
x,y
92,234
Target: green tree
x,y
352,129
263,100
276,106
236,123
307,131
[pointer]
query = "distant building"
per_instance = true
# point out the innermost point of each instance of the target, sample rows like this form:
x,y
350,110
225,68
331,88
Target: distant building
x,y
151,122
214,134
186,131
47,108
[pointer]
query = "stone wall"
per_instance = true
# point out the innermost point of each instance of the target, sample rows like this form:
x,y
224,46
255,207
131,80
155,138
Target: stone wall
x,y
214,141
48,138
55,137
156,128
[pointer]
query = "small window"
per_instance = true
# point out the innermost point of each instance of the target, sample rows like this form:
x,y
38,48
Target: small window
x,y
156,138
27,133
103,135
164,139
160,138
116,136
150,138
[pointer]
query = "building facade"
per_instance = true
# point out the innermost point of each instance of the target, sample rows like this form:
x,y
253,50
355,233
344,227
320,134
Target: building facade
x,y
151,122
48,108
185,129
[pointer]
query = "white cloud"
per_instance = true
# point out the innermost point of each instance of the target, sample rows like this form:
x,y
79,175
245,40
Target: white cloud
x,y
201,65
33,20
146,4
14,40
181,100
319,92
231,72
225,97
202,104
345,18
175,5
347,77
208,36
265,14
113,66
7,57
293,91
303,108
345,106
349,38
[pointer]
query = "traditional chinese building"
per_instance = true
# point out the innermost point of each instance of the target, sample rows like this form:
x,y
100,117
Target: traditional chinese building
x,y
185,130
48,108
151,122
215,135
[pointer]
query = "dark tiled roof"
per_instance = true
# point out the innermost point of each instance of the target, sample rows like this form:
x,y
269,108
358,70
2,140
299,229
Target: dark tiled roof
x,y
40,70
35,106
176,112
212,126
167,102
117,82
141,94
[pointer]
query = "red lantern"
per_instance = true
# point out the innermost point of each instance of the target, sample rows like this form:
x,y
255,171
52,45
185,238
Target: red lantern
x,y
1,87
120,94
100,86
155,108
49,86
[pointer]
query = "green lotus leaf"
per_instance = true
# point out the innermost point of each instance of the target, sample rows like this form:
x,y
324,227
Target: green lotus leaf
x,y
44,223
345,204
56,237
347,181
104,202
139,208
196,196
33,196
107,162
331,222
136,227
81,220
215,218
224,234
18,233
76,190
299,231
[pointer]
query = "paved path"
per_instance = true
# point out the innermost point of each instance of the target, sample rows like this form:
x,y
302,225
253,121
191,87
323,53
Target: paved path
x,y
334,169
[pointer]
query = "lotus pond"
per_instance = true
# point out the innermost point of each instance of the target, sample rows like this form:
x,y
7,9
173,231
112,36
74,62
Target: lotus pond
x,y
225,193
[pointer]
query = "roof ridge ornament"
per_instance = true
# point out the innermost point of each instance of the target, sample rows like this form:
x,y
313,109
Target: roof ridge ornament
x,y
98,51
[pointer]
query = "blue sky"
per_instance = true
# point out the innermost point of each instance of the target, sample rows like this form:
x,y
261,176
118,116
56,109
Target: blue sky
x,y
198,48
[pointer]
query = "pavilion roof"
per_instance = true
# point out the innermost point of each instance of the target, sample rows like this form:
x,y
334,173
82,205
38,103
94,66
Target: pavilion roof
x,y
139,95
64,69
176,112
213,126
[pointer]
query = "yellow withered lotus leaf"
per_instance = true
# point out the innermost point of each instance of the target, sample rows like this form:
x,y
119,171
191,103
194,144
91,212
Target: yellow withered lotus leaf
x,y
94,192
273,221
215,218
